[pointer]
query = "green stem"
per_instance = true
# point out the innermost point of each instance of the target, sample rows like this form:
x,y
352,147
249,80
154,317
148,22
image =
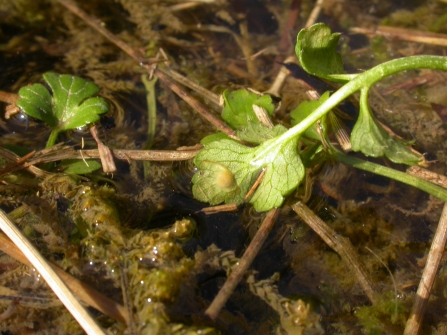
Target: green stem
x,y
52,139
365,80
403,177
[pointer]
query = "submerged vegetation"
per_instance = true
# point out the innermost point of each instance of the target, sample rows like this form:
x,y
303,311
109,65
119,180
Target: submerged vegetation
x,y
144,236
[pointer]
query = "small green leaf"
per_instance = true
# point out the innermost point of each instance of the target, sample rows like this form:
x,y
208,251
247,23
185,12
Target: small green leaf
x,y
75,166
71,105
369,137
255,132
316,50
303,110
228,169
238,108
213,137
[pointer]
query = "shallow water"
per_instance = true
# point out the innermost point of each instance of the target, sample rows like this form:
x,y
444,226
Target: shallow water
x,y
395,221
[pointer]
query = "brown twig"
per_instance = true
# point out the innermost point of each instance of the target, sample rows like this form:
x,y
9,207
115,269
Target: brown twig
x,y
428,277
247,258
86,293
105,154
161,74
403,34
286,36
314,14
340,244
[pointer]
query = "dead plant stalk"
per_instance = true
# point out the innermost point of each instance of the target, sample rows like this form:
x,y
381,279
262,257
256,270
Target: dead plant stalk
x,y
247,258
420,302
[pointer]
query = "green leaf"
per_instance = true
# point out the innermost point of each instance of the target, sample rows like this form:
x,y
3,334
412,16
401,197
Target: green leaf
x,y
303,110
75,166
255,132
213,137
71,105
238,108
228,169
369,137
316,50
35,100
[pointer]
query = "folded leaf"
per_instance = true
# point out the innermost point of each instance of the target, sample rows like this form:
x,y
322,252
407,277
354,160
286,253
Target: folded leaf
x,y
369,137
316,50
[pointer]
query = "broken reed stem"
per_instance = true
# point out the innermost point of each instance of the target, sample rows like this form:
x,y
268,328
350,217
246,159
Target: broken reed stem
x,y
50,276
339,244
83,291
428,276
161,74
404,34
244,263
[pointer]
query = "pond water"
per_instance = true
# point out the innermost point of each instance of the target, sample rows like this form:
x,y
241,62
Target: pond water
x,y
138,235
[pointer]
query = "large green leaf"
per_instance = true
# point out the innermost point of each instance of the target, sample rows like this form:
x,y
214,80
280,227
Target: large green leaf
x,y
228,169
255,132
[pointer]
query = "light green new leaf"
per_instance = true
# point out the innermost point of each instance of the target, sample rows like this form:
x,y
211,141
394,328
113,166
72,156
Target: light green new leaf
x,y
255,132
238,107
71,105
228,169
316,50
369,137
303,110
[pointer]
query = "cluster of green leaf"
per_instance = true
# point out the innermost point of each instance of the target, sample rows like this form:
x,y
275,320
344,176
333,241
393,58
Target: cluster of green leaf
x,y
228,169
71,105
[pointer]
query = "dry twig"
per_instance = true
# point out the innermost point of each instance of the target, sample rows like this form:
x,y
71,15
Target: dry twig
x,y
403,34
340,244
244,263
49,275
428,276
83,291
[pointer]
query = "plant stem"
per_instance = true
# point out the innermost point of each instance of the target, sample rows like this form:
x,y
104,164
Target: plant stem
x,y
366,80
52,139
403,177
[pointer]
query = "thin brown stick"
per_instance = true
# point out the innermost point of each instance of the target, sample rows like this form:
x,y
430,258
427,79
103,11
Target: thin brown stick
x,y
10,98
403,34
105,154
286,40
314,14
86,293
340,244
247,258
215,121
214,98
12,157
428,276
430,176
65,295
163,75
138,155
